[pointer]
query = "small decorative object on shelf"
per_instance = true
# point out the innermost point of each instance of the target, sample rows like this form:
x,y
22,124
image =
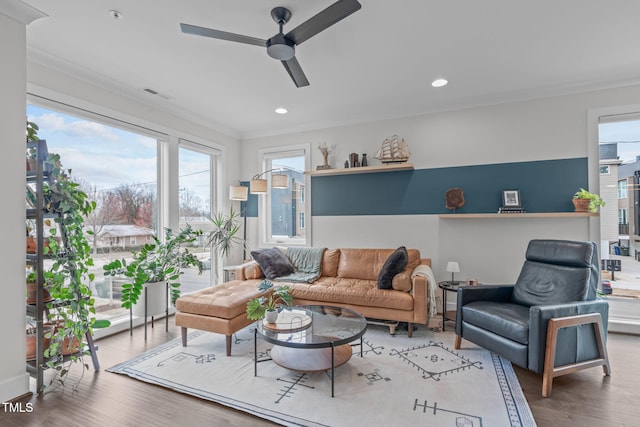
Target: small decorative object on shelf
x,y
364,160
454,198
325,150
584,201
393,150
353,160
511,202
346,164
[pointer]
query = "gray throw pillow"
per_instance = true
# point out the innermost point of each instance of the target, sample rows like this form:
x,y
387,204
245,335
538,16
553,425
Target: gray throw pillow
x,y
395,264
273,262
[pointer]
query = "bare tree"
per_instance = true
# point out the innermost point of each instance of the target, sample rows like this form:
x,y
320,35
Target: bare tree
x,y
190,204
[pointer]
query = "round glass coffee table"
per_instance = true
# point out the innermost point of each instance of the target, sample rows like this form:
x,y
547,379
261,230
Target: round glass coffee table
x,y
311,338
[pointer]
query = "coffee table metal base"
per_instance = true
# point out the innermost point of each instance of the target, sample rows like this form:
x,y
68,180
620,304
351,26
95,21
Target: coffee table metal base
x,y
320,359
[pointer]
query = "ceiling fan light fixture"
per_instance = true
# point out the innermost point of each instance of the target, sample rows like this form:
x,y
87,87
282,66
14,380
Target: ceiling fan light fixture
x,y
439,82
281,48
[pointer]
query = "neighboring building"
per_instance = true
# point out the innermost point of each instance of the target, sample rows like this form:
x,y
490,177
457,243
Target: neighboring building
x,y
124,236
619,188
287,206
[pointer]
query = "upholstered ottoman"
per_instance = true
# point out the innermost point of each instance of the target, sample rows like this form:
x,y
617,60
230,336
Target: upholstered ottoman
x,y
221,309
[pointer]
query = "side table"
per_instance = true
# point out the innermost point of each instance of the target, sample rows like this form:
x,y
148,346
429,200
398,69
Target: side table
x,y
448,286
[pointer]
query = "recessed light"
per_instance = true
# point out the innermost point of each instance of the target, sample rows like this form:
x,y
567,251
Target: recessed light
x,y
281,110
439,82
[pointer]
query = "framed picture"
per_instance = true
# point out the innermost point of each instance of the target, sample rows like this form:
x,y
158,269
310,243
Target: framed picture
x,y
511,198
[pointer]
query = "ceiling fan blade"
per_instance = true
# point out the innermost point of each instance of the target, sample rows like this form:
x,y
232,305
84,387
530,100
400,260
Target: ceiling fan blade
x,y
295,71
223,35
323,20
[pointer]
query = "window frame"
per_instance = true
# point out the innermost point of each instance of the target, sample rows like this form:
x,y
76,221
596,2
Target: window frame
x,y
266,157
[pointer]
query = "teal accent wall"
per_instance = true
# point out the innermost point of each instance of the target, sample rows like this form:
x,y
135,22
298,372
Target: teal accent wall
x,y
545,186
251,205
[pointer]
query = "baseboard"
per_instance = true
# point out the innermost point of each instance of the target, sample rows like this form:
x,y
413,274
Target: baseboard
x,y
15,387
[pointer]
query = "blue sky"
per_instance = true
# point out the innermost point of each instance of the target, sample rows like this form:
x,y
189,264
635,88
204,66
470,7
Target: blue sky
x,y
626,134
101,155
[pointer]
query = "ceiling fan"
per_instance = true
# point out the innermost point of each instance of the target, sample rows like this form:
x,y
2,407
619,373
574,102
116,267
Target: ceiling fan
x,y
282,46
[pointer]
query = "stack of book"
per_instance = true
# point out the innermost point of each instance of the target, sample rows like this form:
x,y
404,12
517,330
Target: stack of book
x,y
508,210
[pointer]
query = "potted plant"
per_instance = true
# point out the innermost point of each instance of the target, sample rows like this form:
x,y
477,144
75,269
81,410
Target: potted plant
x,y
267,306
31,280
32,135
156,265
585,201
224,235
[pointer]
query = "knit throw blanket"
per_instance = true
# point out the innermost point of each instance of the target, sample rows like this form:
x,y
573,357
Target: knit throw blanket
x,y
307,263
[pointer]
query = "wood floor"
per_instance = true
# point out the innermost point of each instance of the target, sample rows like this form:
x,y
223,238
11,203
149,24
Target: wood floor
x,y
585,398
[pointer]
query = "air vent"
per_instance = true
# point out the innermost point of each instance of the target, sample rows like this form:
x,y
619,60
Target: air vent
x,y
156,93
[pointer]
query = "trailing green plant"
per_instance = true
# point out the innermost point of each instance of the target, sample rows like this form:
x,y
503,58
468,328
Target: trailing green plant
x,y
595,201
156,262
68,278
32,135
280,295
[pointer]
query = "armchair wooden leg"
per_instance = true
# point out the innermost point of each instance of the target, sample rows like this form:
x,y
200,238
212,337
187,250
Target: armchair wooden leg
x,y
458,342
554,325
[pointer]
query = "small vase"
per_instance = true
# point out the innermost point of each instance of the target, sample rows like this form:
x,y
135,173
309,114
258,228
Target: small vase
x,y
364,160
270,316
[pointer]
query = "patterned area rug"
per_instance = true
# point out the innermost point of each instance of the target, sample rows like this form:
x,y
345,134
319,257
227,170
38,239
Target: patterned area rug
x,y
397,381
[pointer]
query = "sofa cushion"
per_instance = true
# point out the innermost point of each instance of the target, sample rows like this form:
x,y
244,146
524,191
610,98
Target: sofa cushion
x,y
507,320
226,300
366,263
330,260
273,262
395,263
402,281
357,292
252,270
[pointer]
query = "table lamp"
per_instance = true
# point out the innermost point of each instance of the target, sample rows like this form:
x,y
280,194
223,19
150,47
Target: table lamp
x,y
453,267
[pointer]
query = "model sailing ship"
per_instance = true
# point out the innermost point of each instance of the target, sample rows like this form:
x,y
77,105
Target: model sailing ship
x,y
393,150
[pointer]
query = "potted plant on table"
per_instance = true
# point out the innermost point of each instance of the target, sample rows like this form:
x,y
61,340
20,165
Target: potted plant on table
x,y
155,266
585,201
267,306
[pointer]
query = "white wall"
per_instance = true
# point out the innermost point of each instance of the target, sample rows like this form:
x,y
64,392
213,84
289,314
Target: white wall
x,y
491,250
13,379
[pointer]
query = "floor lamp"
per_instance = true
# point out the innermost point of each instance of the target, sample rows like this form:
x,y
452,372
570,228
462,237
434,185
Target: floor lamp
x,y
241,194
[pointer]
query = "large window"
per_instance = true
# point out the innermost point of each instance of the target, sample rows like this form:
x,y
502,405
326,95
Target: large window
x,y
118,169
196,169
282,207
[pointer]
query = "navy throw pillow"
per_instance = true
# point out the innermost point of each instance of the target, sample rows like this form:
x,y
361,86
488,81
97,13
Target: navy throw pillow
x,y
273,263
395,264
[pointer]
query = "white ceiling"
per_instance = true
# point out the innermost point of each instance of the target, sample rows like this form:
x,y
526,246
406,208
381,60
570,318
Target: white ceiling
x,y
377,63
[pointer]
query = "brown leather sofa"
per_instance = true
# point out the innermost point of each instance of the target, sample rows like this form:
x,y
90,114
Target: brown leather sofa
x,y
348,279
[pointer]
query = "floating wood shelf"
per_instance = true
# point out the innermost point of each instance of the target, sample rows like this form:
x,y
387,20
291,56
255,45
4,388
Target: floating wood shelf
x,y
363,169
520,215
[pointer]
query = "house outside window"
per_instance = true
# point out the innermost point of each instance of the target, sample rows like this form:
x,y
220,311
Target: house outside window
x,y
604,170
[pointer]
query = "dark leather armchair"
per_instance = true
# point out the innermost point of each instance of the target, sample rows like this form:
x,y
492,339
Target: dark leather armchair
x,y
551,321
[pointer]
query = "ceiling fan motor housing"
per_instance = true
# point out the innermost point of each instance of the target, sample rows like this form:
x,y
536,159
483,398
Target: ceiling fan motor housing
x,y
280,47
